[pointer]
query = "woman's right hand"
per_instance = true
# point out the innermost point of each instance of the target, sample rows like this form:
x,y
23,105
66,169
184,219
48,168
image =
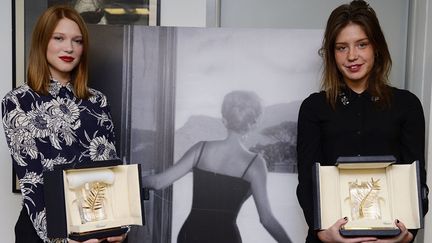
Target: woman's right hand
x,y
114,239
332,234
87,241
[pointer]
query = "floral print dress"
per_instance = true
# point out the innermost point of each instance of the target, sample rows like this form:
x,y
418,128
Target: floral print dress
x,y
47,130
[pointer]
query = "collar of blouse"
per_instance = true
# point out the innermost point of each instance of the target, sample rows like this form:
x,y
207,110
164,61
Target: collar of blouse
x,y
346,96
55,86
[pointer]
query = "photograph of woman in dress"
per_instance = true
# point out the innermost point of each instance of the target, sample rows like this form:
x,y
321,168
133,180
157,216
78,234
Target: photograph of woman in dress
x,y
225,174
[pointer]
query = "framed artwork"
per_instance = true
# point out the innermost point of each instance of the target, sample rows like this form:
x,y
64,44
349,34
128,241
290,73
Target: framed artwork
x,y
116,12
282,68
179,77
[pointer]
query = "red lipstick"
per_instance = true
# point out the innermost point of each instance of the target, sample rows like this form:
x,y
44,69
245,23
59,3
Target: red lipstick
x,y
67,58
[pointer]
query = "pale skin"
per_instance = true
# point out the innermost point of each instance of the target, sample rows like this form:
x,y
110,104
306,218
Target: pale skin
x,y
228,157
64,51
355,57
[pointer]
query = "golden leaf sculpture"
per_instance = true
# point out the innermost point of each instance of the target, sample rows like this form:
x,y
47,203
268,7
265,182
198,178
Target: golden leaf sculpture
x,y
93,201
364,199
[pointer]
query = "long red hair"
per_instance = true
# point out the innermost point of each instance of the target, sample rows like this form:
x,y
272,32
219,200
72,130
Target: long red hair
x,y
38,74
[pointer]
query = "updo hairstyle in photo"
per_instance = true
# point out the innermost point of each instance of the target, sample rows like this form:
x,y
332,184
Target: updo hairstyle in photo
x,y
241,110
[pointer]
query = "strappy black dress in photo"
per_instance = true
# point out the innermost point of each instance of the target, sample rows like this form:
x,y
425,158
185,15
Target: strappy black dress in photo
x,y
217,199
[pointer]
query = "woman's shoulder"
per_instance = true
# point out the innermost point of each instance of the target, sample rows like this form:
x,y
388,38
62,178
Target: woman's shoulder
x,y
256,167
404,97
17,93
97,96
316,99
402,93
96,93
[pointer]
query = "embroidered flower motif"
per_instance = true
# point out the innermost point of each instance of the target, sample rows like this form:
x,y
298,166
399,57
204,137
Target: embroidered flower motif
x,y
103,119
97,96
39,222
27,183
13,95
344,99
39,121
55,86
32,178
49,164
375,98
20,140
65,109
101,149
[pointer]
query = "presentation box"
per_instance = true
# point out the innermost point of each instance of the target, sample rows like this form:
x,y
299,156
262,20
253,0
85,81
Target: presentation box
x,y
93,200
372,191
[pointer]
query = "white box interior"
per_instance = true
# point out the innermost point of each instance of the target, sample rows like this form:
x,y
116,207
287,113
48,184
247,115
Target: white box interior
x,y
398,197
123,202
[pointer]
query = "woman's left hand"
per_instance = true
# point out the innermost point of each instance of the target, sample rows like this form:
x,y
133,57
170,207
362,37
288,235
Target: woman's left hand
x,y
404,237
113,239
116,239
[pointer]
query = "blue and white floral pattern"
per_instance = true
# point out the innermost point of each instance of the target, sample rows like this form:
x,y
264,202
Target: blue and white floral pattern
x,y
43,131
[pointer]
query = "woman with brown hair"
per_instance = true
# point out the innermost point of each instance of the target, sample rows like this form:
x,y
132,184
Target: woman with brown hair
x,y
357,112
54,119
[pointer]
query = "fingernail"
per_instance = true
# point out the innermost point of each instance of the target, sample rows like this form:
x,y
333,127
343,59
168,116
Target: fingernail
x,y
397,221
346,218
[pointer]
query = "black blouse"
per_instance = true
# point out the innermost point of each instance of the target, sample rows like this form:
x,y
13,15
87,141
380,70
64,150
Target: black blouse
x,y
357,126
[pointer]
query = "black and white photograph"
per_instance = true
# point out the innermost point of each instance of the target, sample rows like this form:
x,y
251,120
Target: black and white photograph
x,y
281,68
114,12
272,68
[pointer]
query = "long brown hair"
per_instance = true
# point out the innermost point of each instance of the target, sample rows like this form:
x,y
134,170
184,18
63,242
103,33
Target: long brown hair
x,y
38,74
358,12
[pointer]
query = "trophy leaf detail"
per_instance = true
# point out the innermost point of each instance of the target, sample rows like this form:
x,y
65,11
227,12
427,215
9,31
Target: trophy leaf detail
x,y
95,197
364,199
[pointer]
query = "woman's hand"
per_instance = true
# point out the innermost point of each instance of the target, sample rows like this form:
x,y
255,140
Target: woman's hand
x,y
332,234
116,239
87,241
404,237
113,239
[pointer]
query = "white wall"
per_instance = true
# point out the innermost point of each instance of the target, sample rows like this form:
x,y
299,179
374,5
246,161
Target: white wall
x,y
190,13
10,204
313,14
